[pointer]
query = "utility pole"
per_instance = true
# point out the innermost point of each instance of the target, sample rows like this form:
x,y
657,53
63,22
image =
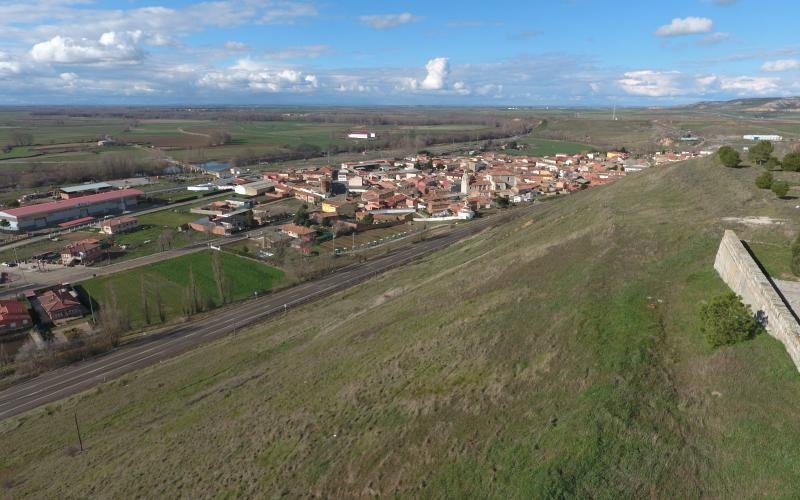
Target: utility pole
x,y
78,428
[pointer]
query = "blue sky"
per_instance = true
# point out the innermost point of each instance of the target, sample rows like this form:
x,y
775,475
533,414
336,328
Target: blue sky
x,y
572,52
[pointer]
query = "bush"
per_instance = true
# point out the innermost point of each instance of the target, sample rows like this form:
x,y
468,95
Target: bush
x,y
773,164
796,256
764,181
781,188
726,320
791,162
729,156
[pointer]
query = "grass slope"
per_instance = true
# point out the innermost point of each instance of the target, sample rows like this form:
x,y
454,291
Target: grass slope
x,y
170,278
524,362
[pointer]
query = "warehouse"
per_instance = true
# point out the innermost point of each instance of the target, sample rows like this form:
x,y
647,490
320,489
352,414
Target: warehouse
x,y
56,212
70,192
254,188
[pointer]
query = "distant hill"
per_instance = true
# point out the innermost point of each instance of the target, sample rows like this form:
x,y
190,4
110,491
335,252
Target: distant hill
x,y
557,356
754,105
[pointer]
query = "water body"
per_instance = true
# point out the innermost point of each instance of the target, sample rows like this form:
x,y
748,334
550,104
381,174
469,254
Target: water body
x,y
215,165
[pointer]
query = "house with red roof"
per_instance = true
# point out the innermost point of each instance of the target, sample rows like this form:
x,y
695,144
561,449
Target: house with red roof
x,y
14,316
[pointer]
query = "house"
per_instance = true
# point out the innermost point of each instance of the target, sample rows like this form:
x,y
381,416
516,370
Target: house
x,y
339,205
59,305
84,251
14,316
225,224
120,225
298,232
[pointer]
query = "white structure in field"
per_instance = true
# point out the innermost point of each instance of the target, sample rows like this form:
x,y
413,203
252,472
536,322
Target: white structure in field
x,y
361,134
762,137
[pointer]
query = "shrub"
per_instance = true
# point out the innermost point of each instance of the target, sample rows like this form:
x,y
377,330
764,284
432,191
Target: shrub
x,y
764,181
729,156
781,188
773,164
791,162
726,320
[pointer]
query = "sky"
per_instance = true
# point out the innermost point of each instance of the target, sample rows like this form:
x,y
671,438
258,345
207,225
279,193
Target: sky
x,y
434,52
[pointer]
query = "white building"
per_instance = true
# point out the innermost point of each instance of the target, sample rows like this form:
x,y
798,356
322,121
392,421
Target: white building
x,y
361,134
762,137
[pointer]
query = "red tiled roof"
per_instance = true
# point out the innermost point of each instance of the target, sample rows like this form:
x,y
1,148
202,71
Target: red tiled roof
x,y
75,222
54,206
13,310
53,300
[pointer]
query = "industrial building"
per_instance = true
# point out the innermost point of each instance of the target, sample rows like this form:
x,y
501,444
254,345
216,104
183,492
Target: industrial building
x,y
57,212
254,188
69,192
762,137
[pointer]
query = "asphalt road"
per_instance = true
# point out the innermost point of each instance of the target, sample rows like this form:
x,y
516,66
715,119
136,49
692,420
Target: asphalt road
x,y
150,350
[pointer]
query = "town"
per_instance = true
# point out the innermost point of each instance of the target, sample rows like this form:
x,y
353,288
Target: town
x,y
336,210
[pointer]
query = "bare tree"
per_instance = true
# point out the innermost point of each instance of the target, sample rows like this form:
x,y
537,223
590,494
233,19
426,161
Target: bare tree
x,y
21,138
219,277
145,305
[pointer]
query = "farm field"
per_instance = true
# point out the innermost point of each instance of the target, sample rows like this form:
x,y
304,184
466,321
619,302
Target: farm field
x,y
167,282
546,147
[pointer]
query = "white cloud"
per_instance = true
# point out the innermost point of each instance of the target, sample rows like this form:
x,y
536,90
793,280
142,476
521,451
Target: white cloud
x,y
7,66
438,71
674,83
287,12
253,75
387,21
746,85
781,65
234,45
300,52
686,26
112,47
651,83
715,38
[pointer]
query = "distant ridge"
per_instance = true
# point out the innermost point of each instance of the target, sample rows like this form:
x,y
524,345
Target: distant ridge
x,y
753,105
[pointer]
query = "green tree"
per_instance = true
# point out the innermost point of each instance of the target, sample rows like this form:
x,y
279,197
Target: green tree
x,y
791,162
761,152
368,219
726,320
729,156
764,181
301,216
502,202
781,188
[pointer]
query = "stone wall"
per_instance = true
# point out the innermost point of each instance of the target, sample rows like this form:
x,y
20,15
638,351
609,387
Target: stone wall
x,y
742,274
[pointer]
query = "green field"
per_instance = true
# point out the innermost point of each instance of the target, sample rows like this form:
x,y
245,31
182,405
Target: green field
x,y
545,147
525,362
170,279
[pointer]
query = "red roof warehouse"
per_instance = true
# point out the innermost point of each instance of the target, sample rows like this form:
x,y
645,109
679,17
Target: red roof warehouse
x,y
56,212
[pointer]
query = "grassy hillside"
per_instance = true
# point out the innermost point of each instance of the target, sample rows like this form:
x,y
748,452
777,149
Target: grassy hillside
x,y
170,279
524,362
